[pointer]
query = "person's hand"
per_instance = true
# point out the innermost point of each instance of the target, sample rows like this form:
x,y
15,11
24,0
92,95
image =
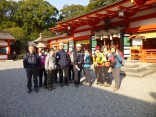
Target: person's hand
x,y
95,56
47,71
117,52
95,64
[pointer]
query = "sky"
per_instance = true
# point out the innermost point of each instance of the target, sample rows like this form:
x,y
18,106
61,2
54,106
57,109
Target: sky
x,y
60,3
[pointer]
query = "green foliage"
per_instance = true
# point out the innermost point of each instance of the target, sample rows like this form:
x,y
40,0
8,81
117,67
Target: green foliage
x,y
17,32
71,10
94,4
47,33
25,19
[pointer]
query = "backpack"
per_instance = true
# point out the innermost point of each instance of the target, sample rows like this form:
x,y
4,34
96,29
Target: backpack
x,y
123,60
89,60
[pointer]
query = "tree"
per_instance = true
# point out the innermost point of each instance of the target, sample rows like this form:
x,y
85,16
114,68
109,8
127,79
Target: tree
x,y
35,16
16,32
7,11
94,4
69,11
25,19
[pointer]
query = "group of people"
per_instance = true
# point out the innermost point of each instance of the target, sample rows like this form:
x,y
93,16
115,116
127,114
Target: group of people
x,y
59,66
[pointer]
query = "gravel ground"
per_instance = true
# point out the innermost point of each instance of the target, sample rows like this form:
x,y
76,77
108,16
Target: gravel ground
x,y
136,97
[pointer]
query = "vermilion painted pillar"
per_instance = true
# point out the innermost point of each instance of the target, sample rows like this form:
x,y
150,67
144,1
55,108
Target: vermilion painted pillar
x,y
8,47
50,44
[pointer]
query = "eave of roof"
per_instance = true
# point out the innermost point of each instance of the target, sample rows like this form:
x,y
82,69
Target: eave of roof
x,y
96,10
6,36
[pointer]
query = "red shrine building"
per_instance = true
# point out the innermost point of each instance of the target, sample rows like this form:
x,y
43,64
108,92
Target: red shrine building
x,y
5,41
128,24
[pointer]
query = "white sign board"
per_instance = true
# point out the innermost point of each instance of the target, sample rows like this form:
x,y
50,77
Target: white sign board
x,y
3,43
3,57
136,42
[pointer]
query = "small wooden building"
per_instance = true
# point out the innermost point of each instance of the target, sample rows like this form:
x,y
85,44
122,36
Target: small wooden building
x,y
5,40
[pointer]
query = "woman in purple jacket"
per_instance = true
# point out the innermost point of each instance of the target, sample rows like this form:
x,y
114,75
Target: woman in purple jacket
x,y
42,69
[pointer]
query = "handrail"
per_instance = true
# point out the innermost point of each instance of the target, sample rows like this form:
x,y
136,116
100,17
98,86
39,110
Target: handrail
x,y
148,55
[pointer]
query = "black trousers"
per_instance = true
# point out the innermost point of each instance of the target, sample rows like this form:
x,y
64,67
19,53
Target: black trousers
x,y
41,72
98,72
77,74
50,78
71,72
57,71
32,72
87,74
64,74
106,74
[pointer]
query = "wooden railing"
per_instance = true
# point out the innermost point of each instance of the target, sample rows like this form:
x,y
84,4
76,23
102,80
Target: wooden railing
x,y
148,55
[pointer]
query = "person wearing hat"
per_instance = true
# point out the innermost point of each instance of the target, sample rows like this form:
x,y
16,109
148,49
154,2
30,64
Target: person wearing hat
x,y
31,63
63,62
106,66
42,68
71,62
57,70
78,62
98,61
116,65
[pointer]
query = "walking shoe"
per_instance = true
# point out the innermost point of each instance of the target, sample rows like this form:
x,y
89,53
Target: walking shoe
x,y
97,83
29,90
49,89
115,89
36,90
81,83
90,85
45,87
76,85
107,85
61,85
67,84
55,81
53,87
40,85
100,84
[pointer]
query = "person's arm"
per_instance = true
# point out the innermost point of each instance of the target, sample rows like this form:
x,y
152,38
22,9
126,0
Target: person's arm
x,y
38,61
75,58
47,63
119,58
25,61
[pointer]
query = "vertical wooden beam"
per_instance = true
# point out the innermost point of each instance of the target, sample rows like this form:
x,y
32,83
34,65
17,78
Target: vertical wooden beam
x,y
122,41
50,44
8,47
90,44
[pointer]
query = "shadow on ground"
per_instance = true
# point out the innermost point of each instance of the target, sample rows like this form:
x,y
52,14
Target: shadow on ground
x,y
65,102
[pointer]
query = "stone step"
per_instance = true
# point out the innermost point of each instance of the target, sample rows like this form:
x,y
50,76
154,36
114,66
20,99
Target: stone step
x,y
136,69
137,75
132,64
152,68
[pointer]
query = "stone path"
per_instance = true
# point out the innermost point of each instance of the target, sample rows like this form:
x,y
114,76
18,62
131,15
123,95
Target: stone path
x,y
136,98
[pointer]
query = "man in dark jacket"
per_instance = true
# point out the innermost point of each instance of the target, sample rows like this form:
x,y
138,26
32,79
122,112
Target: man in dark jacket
x,y
78,63
63,63
31,63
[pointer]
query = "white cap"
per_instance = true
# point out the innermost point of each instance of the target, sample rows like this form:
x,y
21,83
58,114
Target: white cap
x,y
54,45
61,44
70,46
78,45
